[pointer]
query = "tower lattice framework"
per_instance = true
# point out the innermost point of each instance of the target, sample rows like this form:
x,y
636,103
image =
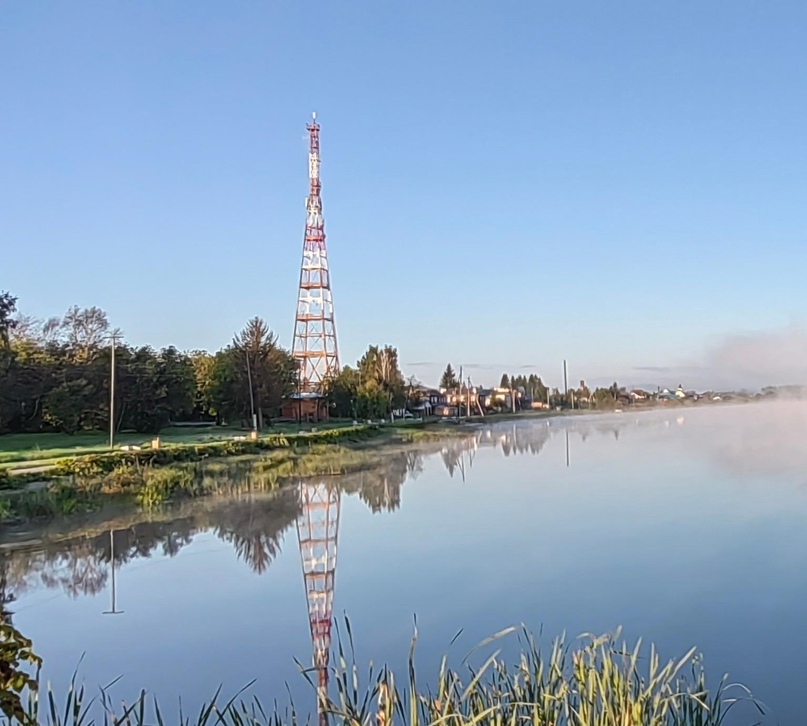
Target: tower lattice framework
x,y
317,534
314,346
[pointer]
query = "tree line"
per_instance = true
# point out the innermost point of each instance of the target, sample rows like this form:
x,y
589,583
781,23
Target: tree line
x,y
55,376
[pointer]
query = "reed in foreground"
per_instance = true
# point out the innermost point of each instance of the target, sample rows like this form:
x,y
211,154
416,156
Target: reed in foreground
x,y
597,682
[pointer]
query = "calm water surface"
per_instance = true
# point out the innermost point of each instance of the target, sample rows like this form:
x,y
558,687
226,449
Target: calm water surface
x,y
685,528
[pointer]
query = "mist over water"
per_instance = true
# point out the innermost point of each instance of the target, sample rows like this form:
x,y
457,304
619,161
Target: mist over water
x,y
749,361
684,526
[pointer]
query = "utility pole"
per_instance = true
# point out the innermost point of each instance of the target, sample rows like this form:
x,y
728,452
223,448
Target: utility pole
x,y
114,610
565,383
113,339
459,395
567,447
251,396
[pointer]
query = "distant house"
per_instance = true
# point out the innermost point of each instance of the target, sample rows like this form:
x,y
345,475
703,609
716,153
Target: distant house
x,y
484,397
425,401
432,395
422,408
444,410
305,407
493,398
639,395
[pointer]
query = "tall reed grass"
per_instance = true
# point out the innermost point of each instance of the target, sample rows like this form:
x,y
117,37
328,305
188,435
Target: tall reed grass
x,y
597,681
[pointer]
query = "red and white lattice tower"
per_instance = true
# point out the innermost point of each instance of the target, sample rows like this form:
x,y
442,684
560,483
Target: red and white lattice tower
x,y
317,533
314,347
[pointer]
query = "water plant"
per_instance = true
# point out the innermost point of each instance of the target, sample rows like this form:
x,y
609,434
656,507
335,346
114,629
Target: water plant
x,y
594,681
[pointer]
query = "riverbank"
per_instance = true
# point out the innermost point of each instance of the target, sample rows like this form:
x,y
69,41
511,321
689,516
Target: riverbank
x,y
24,454
151,477
38,453
158,452
23,451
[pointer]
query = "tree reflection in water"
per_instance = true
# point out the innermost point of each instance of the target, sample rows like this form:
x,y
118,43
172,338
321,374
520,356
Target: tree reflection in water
x,y
76,554
255,527
73,554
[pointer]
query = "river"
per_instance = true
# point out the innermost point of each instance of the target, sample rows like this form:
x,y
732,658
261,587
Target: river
x,y
684,527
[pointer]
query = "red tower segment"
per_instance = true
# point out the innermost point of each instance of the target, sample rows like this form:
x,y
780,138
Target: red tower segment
x,y
314,346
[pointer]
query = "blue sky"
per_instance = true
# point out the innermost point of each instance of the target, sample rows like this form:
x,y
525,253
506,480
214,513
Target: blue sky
x,y
504,184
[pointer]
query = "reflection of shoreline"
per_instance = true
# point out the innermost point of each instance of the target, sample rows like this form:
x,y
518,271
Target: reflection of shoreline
x,y
530,436
76,559
74,553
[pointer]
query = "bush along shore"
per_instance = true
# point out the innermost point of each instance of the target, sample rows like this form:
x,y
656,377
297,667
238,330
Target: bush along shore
x,y
592,682
150,477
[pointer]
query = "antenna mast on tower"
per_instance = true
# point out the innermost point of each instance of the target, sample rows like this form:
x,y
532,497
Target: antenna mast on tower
x,y
314,346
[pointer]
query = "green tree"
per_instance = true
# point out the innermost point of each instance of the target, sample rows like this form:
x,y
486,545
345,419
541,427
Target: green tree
x,y
604,397
448,381
367,364
535,388
505,382
156,388
255,356
413,393
63,407
343,392
203,364
381,384
139,406
59,378
8,306
390,379
85,331
345,388
372,400
177,381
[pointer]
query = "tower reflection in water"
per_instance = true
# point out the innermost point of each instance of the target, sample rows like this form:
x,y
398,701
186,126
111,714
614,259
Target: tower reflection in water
x,y
317,535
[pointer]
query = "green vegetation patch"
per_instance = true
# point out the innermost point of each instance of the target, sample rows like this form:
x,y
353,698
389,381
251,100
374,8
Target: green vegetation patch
x,y
592,682
150,478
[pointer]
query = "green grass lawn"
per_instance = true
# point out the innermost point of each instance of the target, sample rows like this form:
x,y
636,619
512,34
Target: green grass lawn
x,y
35,449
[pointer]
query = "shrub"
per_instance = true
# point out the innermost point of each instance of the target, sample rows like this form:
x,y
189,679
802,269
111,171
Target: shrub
x,y
159,485
15,654
121,479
